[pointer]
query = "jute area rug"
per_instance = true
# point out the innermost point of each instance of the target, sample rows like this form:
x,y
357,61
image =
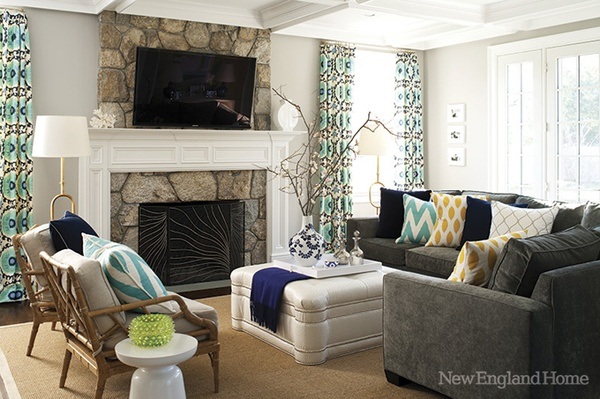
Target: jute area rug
x,y
249,368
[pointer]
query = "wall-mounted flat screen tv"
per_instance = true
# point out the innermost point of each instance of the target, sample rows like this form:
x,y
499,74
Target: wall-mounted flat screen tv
x,y
188,89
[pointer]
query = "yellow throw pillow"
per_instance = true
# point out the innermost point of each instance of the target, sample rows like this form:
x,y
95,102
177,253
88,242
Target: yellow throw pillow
x,y
477,259
451,211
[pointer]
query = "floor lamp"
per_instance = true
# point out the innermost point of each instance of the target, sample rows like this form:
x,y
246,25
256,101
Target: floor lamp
x,y
61,137
375,139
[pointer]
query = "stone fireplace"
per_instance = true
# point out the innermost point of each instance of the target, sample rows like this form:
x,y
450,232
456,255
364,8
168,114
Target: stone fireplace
x,y
193,165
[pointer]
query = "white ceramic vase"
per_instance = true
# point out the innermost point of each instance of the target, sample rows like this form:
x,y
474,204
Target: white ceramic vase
x,y
307,246
287,116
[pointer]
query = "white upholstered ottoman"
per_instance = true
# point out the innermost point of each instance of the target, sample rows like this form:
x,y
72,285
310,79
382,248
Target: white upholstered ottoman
x,y
320,318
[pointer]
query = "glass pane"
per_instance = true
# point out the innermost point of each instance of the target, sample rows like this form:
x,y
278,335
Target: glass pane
x,y
513,78
530,146
567,105
593,195
567,195
590,104
590,139
567,139
528,115
514,140
530,171
514,108
567,72
567,172
514,171
527,77
589,70
590,176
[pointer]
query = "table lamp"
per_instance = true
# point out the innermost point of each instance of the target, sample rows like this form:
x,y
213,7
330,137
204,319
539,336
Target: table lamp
x,y
61,137
375,139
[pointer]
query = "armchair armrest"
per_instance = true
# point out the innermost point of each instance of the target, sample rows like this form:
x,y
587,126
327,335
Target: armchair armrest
x,y
434,329
366,225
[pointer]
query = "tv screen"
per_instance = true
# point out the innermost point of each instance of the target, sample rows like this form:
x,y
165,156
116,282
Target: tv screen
x,y
187,89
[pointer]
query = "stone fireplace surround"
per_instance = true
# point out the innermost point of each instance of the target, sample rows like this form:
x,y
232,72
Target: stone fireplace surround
x,y
161,151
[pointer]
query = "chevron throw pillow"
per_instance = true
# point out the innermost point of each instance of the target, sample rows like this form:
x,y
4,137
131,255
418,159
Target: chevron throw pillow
x,y
506,218
476,259
419,219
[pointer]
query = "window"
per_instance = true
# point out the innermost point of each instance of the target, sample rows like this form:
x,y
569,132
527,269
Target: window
x,y
545,113
373,91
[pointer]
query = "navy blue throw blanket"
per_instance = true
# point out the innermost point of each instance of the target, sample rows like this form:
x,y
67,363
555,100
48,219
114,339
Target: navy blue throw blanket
x,y
265,296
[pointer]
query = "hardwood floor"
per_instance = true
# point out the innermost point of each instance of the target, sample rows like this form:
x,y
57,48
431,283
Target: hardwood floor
x,y
20,312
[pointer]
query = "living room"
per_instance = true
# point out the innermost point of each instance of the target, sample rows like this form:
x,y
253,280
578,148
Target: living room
x,y
65,49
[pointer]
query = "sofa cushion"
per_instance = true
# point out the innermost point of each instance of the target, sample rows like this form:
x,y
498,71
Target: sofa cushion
x,y
476,260
451,211
506,198
391,215
66,232
419,219
523,260
506,219
35,241
435,261
385,250
129,275
533,203
95,286
568,215
591,215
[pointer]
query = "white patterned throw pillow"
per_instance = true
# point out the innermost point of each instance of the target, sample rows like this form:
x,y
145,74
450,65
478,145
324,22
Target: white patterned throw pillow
x,y
506,218
129,275
419,219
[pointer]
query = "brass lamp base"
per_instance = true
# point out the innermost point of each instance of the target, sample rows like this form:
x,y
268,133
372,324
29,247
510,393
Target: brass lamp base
x,y
62,191
373,203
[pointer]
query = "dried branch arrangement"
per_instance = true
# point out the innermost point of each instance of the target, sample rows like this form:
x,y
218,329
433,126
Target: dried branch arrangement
x,y
307,175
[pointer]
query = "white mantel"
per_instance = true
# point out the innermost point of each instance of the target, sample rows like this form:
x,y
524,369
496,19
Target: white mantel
x,y
178,150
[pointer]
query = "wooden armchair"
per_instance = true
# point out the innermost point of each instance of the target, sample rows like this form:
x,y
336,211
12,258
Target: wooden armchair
x,y
40,297
92,332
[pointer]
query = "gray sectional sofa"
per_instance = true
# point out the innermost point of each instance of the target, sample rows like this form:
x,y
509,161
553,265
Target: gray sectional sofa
x,y
472,342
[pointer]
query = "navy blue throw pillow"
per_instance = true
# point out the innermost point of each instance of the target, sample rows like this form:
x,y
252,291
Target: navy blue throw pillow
x,y
478,220
391,213
66,232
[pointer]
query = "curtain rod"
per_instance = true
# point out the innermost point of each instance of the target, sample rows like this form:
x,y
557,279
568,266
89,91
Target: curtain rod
x,y
372,47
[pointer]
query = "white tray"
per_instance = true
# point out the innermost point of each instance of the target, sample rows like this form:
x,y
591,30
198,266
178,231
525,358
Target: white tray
x,y
289,264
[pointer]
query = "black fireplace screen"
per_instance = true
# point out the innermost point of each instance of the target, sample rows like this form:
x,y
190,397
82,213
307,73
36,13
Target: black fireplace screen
x,y
192,242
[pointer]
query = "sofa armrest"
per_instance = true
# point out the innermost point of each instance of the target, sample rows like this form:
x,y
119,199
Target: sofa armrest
x,y
434,329
573,293
366,225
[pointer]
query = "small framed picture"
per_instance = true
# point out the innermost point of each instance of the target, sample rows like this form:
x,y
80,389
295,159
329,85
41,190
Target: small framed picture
x,y
456,113
456,134
456,156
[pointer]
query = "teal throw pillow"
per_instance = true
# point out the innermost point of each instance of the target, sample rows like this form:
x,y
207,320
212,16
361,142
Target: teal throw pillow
x,y
419,219
129,275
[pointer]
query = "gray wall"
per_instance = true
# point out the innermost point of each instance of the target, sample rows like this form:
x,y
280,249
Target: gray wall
x,y
458,74
64,63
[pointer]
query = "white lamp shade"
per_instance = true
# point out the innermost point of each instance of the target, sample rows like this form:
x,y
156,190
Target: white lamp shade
x,y
61,136
374,139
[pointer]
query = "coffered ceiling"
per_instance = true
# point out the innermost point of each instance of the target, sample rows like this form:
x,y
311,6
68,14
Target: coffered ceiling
x,y
416,24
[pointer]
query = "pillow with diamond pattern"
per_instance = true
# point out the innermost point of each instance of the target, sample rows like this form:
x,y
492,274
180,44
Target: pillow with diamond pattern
x,y
129,275
506,218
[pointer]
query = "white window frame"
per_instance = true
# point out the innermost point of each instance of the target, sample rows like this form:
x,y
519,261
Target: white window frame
x,y
494,53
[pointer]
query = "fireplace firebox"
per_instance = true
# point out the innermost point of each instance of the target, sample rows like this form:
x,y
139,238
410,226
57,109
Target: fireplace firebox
x,y
192,242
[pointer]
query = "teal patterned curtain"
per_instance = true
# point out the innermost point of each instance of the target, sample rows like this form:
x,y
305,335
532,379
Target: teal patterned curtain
x,y
408,119
16,134
335,105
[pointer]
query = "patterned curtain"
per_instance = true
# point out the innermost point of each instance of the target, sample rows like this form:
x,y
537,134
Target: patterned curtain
x,y
16,134
335,105
408,119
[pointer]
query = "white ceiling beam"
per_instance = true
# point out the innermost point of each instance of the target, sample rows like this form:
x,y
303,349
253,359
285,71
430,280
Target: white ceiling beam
x,y
289,13
443,11
121,6
524,13
81,6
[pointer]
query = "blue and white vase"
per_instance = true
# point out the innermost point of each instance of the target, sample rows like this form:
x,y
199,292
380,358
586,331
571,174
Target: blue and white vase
x,y
307,246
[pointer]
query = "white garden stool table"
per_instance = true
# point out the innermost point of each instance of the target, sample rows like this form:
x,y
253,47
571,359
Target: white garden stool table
x,y
157,375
